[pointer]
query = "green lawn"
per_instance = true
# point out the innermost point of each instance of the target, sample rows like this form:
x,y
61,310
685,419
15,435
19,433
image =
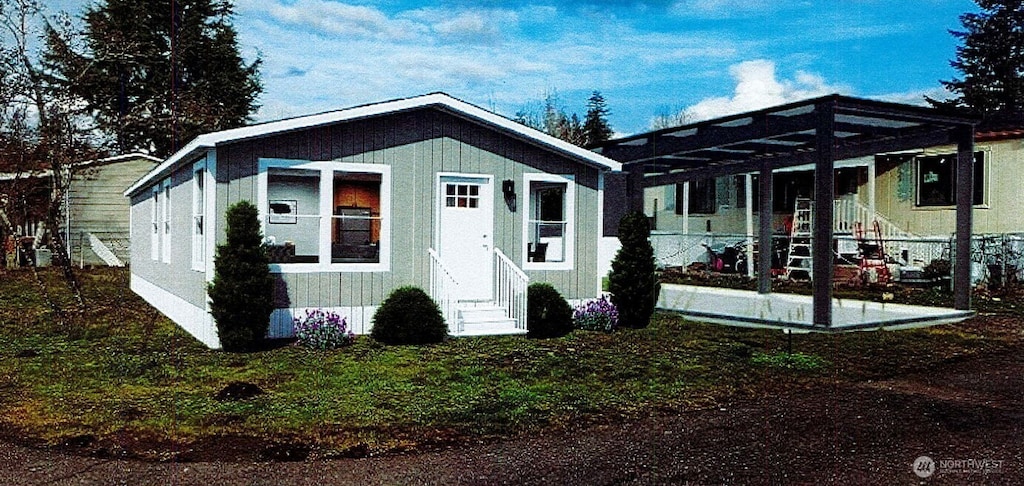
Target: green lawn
x,y
118,368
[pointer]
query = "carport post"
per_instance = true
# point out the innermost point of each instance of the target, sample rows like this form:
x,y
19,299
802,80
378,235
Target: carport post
x,y
635,187
764,263
964,208
821,244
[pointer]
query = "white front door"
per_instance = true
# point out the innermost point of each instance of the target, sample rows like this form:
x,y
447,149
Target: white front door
x,y
466,233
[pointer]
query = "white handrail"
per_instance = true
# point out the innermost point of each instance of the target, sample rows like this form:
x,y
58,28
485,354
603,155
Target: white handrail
x,y
444,289
848,212
510,288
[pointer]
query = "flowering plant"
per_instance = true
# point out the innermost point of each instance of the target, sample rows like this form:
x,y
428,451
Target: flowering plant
x,y
322,330
596,315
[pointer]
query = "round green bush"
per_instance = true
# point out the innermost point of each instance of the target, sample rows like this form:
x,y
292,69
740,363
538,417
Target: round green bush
x,y
548,315
409,316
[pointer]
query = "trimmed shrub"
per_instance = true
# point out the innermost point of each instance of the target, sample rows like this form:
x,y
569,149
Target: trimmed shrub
x,y
242,292
632,280
548,315
409,316
596,315
322,330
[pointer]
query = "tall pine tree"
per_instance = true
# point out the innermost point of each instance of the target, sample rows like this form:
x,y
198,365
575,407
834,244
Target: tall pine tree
x,y
595,127
156,73
990,60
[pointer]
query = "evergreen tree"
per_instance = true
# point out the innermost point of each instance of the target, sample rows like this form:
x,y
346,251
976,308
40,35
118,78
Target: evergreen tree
x,y
632,279
991,60
157,73
595,127
242,292
553,120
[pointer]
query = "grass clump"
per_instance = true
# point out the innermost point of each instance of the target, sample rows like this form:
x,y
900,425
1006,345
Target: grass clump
x,y
790,361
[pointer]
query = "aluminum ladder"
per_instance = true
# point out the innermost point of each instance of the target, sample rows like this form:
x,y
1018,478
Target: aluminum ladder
x,y
798,259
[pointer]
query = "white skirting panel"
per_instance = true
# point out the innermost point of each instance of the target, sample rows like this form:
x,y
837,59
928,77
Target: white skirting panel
x,y
359,319
195,320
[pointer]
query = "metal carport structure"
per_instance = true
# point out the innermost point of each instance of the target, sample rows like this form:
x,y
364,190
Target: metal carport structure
x,y
818,131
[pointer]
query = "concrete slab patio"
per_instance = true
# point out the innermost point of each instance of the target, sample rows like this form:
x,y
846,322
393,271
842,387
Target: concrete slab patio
x,y
747,308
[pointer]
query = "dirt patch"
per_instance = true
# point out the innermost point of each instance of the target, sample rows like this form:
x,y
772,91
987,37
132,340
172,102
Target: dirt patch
x,y
238,390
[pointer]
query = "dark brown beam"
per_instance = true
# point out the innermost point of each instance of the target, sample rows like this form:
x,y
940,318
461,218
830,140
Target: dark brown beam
x,y
964,210
764,229
842,152
635,189
821,244
900,112
710,135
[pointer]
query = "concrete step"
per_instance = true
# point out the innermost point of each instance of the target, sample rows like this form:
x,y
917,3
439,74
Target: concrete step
x,y
481,313
491,328
484,319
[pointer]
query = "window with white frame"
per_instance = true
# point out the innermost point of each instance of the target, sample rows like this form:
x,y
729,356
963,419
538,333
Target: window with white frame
x,y
936,180
154,219
165,237
327,215
198,213
549,222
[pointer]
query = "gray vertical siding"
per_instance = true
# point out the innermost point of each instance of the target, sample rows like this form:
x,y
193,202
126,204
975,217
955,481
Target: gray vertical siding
x,y
96,204
417,145
177,277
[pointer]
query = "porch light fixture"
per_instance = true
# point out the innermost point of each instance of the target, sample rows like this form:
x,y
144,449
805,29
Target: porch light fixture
x,y
508,188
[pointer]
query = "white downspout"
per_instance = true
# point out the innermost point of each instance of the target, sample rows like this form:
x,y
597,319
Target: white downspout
x,y
748,181
686,208
871,189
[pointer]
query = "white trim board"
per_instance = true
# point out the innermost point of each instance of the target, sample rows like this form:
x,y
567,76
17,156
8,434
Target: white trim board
x,y
359,319
194,320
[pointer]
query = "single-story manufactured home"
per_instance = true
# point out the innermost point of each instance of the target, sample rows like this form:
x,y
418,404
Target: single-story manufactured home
x,y
95,212
427,191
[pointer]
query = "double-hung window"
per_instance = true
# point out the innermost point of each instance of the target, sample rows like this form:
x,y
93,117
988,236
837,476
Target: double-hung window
x,y
154,220
549,222
165,237
326,215
198,213
936,180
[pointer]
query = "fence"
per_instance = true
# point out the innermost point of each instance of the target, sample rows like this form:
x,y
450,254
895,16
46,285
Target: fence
x,y
996,258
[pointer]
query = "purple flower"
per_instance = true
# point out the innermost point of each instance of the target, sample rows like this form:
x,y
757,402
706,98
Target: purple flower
x,y
322,330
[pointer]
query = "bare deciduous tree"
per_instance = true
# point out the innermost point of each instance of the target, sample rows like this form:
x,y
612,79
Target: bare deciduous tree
x,y
43,130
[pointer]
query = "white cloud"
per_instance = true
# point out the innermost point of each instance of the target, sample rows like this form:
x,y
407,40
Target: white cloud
x,y
758,86
325,17
333,58
469,26
719,8
917,97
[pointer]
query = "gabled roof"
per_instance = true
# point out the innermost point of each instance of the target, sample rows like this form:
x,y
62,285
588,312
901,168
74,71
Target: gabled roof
x,y
6,176
437,100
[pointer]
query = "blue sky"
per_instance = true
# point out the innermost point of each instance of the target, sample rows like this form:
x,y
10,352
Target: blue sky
x,y
703,57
